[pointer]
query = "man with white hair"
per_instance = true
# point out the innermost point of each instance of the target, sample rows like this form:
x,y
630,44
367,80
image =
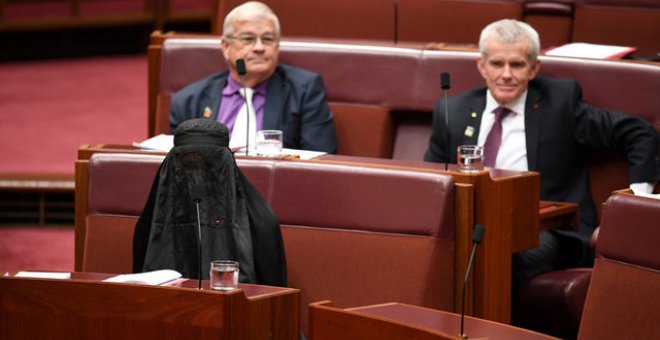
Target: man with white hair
x,y
282,97
535,124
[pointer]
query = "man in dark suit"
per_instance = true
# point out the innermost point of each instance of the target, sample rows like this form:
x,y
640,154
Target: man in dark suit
x,y
285,98
545,127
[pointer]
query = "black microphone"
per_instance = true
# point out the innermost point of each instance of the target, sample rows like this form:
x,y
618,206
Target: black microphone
x,y
445,86
196,192
477,236
240,68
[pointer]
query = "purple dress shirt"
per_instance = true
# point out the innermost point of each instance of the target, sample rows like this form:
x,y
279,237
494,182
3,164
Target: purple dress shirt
x,y
232,101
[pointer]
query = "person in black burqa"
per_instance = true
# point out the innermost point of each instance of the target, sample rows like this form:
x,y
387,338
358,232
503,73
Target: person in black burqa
x,y
236,222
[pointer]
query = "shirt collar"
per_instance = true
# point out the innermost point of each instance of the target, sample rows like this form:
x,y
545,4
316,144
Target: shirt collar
x,y
233,87
517,106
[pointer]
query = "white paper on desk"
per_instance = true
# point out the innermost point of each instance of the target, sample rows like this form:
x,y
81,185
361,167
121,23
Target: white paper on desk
x,y
166,142
303,154
594,51
156,277
159,143
44,275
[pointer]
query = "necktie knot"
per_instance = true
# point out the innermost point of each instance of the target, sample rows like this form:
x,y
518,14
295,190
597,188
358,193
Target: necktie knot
x,y
245,125
500,113
247,93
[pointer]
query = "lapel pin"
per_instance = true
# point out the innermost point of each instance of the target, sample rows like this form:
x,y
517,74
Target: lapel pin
x,y
207,112
473,114
469,131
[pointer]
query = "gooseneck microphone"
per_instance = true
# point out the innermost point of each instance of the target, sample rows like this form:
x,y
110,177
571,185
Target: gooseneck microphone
x,y
445,86
477,236
240,68
196,193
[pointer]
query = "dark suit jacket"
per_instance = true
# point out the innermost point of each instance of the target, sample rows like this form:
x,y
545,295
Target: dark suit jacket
x,y
295,103
561,132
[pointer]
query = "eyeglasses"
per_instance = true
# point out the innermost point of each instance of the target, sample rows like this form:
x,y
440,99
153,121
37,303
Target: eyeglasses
x,y
249,40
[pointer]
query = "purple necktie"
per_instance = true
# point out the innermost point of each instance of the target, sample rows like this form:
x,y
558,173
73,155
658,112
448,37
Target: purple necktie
x,y
492,145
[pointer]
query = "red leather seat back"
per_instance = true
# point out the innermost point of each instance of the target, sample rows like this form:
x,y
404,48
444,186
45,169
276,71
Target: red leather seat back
x,y
619,22
117,191
622,301
552,19
365,19
451,21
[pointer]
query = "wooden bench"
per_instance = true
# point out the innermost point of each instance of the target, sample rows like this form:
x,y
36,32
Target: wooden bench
x,y
387,234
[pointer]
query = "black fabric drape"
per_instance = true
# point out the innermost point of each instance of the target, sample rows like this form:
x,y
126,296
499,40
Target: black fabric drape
x,y
236,222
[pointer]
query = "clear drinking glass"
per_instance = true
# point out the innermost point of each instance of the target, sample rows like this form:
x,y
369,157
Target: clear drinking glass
x,y
224,274
269,143
470,158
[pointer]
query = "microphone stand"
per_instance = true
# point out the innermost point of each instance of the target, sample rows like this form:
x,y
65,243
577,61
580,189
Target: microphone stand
x,y
241,69
199,245
445,85
477,236
196,192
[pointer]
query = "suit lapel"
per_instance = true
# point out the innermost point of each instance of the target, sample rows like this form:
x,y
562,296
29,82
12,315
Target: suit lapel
x,y
533,114
274,107
471,120
213,98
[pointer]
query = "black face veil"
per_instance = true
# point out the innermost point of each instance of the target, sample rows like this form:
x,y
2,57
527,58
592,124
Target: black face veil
x,y
236,222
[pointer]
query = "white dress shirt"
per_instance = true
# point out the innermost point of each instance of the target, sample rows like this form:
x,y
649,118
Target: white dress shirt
x,y
513,149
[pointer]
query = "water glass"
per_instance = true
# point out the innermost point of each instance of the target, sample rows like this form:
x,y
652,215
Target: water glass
x,y
269,143
470,158
224,274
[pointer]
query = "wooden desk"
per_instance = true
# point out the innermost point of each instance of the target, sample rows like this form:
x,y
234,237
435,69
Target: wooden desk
x,y
398,321
505,202
83,307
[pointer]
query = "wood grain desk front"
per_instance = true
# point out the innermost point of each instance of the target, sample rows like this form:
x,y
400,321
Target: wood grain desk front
x,y
84,307
399,321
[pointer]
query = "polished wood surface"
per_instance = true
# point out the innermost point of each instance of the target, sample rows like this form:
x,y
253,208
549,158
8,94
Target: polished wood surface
x,y
559,215
394,321
83,307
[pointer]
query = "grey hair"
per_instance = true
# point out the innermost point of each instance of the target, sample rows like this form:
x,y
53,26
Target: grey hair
x,y
510,31
250,11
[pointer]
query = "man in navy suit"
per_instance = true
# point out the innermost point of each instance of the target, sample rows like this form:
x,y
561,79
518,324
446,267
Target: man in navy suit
x,y
546,128
285,98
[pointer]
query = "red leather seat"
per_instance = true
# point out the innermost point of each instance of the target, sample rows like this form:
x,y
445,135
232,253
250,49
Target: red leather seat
x,y
624,292
619,22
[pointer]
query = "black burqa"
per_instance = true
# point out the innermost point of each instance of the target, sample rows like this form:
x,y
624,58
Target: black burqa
x,y
236,222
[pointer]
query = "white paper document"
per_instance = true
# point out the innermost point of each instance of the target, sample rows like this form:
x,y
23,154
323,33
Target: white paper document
x,y
44,275
166,142
159,143
156,277
594,51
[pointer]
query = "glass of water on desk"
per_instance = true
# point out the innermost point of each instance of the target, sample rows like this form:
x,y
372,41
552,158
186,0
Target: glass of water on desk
x,y
224,274
269,143
470,158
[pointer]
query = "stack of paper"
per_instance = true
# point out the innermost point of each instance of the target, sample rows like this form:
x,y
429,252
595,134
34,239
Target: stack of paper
x,y
166,142
156,277
594,51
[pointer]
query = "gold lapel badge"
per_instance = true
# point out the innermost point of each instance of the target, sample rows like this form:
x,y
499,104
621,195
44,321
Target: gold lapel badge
x,y
469,131
207,112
